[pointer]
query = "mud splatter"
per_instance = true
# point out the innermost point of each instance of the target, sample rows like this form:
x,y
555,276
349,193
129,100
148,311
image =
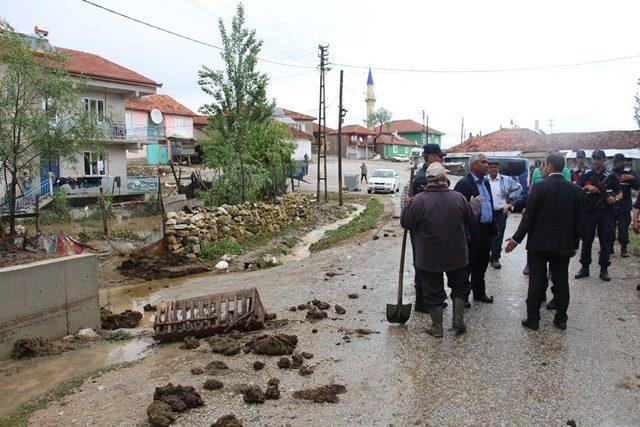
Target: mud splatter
x,y
213,384
273,345
179,398
224,345
126,319
254,394
190,343
316,314
227,421
340,310
327,393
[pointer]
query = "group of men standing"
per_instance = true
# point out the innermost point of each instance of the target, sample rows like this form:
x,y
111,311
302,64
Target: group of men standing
x,y
461,236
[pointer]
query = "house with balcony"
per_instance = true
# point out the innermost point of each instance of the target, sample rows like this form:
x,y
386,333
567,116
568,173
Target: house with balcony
x,y
175,138
356,142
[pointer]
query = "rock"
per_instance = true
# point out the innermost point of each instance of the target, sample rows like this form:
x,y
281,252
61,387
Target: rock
x,y
224,345
87,334
172,215
195,249
284,363
215,367
270,260
225,257
340,310
273,345
180,227
213,384
272,393
376,237
305,370
160,414
227,421
293,308
222,265
327,393
314,331
254,394
171,222
190,343
179,398
149,307
258,365
316,314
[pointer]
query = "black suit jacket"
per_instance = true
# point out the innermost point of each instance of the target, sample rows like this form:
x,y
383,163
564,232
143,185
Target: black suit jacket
x,y
468,188
552,217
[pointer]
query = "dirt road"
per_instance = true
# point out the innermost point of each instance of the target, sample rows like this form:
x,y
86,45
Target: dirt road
x,y
498,373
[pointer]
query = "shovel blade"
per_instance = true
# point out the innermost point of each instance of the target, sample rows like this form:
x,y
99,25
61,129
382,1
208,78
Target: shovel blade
x,y
398,313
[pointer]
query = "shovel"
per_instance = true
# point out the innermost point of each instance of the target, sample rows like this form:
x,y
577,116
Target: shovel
x,y
400,313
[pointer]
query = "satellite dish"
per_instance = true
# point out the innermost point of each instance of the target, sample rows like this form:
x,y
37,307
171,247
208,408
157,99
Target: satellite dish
x,y
156,116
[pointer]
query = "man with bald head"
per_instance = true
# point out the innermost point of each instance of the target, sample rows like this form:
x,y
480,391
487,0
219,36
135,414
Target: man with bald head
x,y
483,229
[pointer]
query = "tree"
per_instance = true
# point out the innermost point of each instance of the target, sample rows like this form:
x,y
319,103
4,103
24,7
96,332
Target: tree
x,y
239,109
637,107
381,117
41,115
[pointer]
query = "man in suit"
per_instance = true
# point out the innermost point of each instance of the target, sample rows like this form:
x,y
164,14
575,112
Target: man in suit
x,y
552,221
481,231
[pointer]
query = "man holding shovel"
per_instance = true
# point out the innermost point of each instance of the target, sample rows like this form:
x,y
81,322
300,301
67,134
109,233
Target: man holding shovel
x,y
438,217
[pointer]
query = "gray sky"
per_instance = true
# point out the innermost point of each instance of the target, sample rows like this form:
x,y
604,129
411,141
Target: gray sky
x,y
462,35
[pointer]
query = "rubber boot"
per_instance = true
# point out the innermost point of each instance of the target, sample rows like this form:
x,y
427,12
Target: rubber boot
x,y
419,304
458,316
435,329
623,251
604,274
584,272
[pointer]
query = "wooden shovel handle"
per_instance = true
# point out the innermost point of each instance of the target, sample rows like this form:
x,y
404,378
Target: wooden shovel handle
x,y
404,245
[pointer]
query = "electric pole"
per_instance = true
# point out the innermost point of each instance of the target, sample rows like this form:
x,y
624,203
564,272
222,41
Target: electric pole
x,y
424,140
462,131
427,131
341,114
322,123
551,123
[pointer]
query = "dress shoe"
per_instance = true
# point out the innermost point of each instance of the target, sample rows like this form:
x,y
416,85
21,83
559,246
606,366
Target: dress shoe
x,y
467,304
604,274
551,305
526,270
584,272
444,305
534,326
560,325
496,265
483,298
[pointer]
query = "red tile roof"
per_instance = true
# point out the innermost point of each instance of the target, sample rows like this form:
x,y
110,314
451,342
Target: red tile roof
x,y
355,129
327,129
94,66
164,103
386,139
298,134
532,141
406,126
297,116
200,120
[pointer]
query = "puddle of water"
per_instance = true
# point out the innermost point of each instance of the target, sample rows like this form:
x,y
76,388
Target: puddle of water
x,y
22,381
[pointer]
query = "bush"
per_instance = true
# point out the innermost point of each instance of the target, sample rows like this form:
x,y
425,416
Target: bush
x,y
214,250
60,207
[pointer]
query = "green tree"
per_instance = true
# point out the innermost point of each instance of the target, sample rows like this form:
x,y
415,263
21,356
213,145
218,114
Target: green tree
x,y
41,116
239,109
380,117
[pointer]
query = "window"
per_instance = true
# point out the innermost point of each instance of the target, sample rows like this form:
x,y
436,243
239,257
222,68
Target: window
x,y
297,126
395,149
94,106
179,128
93,164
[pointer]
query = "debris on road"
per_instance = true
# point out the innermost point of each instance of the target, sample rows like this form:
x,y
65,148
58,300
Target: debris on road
x,y
224,345
149,307
353,296
197,371
33,347
340,310
253,394
273,345
327,393
213,384
321,304
165,267
316,314
297,360
190,343
178,398
160,414
284,363
126,319
307,355
215,367
227,421
306,370
258,365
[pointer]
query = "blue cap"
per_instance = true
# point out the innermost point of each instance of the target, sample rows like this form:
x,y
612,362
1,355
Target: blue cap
x,y
598,154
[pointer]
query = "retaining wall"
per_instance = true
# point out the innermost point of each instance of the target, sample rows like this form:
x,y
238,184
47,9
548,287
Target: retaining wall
x,y
51,299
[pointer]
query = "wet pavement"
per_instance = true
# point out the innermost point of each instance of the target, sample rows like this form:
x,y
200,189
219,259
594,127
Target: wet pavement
x,y
498,373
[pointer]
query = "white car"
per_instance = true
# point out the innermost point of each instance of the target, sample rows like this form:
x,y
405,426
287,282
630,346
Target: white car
x,y
383,181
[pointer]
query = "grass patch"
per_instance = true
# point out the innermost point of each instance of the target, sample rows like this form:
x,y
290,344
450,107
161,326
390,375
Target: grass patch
x,y
634,243
118,336
20,417
214,250
367,220
128,235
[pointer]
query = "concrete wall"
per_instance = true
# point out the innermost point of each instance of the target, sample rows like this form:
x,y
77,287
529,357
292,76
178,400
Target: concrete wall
x,y
51,299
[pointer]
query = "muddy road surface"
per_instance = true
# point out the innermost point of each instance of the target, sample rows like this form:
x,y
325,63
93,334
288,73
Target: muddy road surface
x,y
498,373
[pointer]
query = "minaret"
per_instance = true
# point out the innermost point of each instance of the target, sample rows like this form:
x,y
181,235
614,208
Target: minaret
x,y
371,101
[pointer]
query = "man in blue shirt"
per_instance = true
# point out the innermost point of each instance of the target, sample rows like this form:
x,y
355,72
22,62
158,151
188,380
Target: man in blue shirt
x,y
480,234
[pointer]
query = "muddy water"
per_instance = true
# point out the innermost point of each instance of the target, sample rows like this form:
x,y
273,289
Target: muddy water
x,y
22,381
135,297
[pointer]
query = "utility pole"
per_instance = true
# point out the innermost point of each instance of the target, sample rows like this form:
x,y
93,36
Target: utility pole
x,y
551,123
341,114
427,131
424,139
322,124
462,131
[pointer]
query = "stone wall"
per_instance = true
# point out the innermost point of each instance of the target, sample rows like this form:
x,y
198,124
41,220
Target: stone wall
x,y
237,221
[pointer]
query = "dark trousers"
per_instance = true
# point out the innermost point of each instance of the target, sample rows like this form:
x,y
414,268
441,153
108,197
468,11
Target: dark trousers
x,y
433,293
479,252
603,224
496,242
559,266
622,221
417,277
364,176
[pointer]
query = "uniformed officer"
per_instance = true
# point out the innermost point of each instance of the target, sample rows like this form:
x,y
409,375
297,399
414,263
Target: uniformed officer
x,y
602,190
628,179
581,166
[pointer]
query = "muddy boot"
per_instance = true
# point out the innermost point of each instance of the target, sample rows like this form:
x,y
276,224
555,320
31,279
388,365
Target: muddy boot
x,y
604,274
623,251
436,322
419,304
458,316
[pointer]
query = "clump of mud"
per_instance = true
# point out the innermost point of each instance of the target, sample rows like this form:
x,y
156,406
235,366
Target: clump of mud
x,y
126,319
149,307
227,421
327,393
353,296
316,314
190,343
33,347
160,414
273,382
216,366
224,345
213,384
297,360
258,365
197,371
284,363
293,308
305,370
272,392
168,266
321,304
253,394
340,310
270,316
179,398
273,345
305,306
307,355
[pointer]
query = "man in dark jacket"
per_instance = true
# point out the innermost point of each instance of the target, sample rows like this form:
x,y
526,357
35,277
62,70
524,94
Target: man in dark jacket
x,y
628,180
438,218
552,221
483,229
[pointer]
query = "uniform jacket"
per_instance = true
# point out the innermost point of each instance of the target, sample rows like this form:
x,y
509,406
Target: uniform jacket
x,y
467,187
595,202
624,205
552,217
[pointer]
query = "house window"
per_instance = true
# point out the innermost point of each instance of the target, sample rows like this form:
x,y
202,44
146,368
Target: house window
x,y
395,149
94,106
180,129
93,164
297,126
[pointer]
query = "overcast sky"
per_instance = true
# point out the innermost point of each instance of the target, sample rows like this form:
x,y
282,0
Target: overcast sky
x,y
436,35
